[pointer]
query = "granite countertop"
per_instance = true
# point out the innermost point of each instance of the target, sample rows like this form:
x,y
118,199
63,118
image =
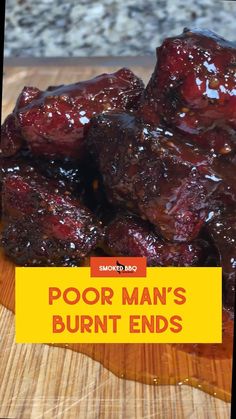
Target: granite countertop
x,y
107,27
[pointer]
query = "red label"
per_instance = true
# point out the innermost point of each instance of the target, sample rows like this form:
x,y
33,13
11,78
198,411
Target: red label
x,y
118,266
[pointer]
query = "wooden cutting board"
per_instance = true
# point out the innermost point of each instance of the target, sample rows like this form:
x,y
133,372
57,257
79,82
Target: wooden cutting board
x,y
39,381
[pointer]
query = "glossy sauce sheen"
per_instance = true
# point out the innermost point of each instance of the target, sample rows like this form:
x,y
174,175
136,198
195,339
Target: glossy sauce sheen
x,y
54,122
194,87
207,367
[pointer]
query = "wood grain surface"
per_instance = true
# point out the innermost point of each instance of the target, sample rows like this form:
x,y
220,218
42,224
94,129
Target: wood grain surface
x,y
39,381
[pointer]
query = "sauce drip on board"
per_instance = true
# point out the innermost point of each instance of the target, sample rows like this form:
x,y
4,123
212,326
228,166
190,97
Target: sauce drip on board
x,y
207,367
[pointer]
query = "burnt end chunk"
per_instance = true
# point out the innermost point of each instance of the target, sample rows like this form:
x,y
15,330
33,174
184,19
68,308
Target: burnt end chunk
x,y
67,174
128,235
156,174
44,225
223,233
53,123
14,165
25,243
11,138
193,88
217,140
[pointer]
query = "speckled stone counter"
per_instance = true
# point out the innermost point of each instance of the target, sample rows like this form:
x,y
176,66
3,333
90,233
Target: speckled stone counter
x,y
107,27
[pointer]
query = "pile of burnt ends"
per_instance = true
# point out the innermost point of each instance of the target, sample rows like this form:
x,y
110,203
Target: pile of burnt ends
x,y
107,165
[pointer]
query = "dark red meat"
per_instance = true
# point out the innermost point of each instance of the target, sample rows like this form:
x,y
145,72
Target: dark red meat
x,y
53,123
14,165
217,140
67,174
128,235
11,138
44,225
158,175
193,88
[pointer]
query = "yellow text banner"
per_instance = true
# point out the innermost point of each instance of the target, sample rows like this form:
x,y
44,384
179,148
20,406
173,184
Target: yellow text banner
x,y
169,305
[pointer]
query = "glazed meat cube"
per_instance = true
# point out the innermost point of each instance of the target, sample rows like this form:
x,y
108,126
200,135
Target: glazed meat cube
x,y
26,244
222,230
79,180
217,141
67,174
44,225
128,235
53,123
11,138
157,175
14,165
193,87
197,71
